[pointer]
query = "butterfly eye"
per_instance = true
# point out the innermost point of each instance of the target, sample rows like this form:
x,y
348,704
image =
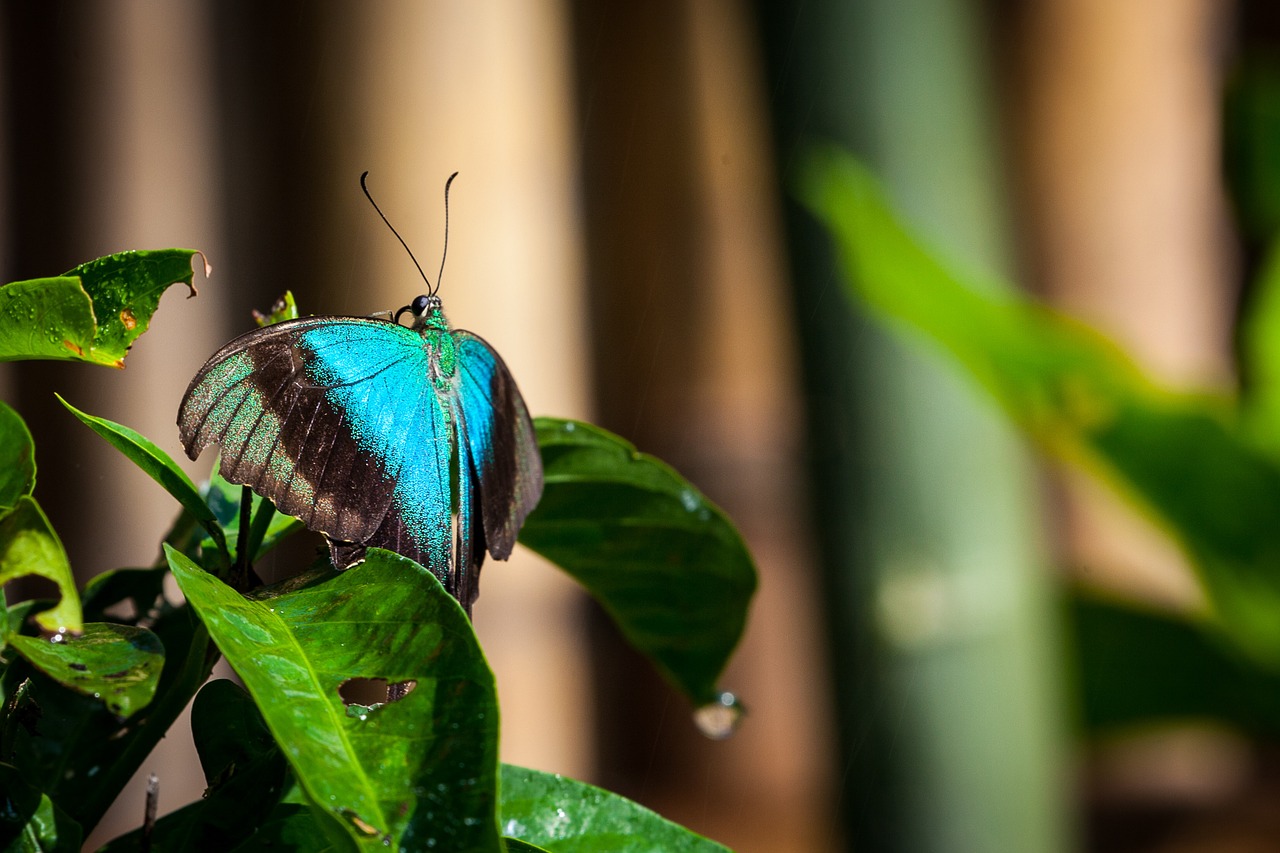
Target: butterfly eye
x,y
420,304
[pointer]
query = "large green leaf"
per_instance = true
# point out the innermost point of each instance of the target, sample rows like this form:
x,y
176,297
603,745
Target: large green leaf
x,y
565,816
158,465
92,313
1180,458
17,459
28,546
119,664
665,562
420,772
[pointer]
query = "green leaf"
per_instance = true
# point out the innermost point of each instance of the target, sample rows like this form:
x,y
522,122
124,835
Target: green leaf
x,y
665,562
421,771
46,318
1180,458
246,774
92,313
17,459
119,664
125,595
29,821
28,546
565,816
158,465
228,730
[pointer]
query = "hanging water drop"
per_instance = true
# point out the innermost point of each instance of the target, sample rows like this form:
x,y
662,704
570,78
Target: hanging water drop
x,y
719,718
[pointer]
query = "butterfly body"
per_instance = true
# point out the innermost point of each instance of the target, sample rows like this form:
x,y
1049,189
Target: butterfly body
x,y
414,439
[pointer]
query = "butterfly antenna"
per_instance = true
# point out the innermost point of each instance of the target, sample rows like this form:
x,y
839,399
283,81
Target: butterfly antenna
x,y
367,195
445,253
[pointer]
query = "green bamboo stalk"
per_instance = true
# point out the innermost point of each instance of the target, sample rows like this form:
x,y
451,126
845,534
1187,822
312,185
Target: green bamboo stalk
x,y
944,642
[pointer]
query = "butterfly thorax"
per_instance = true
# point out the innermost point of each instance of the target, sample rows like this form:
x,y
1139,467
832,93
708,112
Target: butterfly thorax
x,y
430,322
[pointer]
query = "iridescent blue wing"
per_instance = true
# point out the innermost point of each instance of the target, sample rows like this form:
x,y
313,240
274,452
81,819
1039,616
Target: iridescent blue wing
x,y
500,469
338,421
504,458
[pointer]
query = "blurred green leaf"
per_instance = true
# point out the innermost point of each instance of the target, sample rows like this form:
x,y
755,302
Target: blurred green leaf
x,y
92,313
28,546
119,664
29,821
566,816
421,771
17,459
1180,458
665,562
1137,665
284,309
1250,139
1260,356
158,465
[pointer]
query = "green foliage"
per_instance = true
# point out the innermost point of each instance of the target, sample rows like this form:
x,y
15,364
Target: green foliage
x,y
1204,467
93,313
606,511
90,682
555,813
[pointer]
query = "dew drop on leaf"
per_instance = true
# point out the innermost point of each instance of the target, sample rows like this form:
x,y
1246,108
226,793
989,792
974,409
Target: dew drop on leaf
x,y
719,718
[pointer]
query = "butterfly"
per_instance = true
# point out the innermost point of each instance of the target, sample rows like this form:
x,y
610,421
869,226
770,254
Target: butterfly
x,y
410,438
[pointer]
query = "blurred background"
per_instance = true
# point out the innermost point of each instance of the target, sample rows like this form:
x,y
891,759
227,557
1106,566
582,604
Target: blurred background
x,y
622,232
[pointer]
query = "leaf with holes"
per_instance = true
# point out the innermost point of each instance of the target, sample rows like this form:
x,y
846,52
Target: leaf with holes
x,y
560,814
416,773
665,562
28,546
92,313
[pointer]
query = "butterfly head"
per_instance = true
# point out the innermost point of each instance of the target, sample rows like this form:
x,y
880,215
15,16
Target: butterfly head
x,y
426,310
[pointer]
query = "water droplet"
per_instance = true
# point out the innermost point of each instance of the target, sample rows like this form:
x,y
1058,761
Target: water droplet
x,y
570,426
719,718
689,500
60,637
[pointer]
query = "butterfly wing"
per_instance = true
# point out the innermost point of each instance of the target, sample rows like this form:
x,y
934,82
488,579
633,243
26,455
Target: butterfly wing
x,y
337,420
502,450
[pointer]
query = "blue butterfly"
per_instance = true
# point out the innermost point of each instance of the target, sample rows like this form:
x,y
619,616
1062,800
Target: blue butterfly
x,y
410,438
